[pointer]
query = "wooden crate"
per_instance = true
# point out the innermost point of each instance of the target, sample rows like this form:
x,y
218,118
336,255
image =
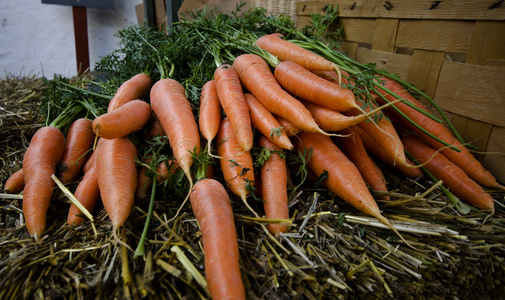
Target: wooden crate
x,y
453,50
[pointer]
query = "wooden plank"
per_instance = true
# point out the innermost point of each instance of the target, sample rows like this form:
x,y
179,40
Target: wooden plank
x,y
420,9
424,70
81,38
488,42
358,30
384,35
349,48
139,11
495,160
394,63
160,13
438,35
473,132
472,91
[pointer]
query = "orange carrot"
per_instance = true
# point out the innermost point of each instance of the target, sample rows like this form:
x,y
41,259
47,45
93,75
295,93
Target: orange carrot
x,y
256,76
231,97
87,193
89,163
453,177
212,209
128,118
136,87
79,140
287,126
117,178
15,183
155,129
274,180
210,113
263,120
39,163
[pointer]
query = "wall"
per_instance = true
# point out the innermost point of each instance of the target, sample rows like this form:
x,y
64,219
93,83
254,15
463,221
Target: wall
x,y
38,39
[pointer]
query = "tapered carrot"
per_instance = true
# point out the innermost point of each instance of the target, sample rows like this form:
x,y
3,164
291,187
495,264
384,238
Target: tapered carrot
x,y
128,118
155,129
89,163
288,127
263,120
87,193
79,139
117,178
274,181
231,97
134,88
256,76
39,163
15,183
453,177
212,208
210,113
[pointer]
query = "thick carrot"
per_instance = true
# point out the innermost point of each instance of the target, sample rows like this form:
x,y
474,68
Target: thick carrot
x,y
257,77
210,113
453,177
136,87
117,178
464,159
15,183
352,146
89,163
263,120
231,97
87,193
79,140
286,50
212,209
302,83
128,118
39,163
274,181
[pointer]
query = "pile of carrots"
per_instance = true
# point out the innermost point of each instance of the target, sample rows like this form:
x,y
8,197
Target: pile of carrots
x,y
304,104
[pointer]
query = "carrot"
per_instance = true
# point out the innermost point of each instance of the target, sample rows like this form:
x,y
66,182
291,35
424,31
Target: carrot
x,y
155,129
117,178
15,183
464,159
263,120
231,97
212,209
453,177
352,146
128,118
210,113
87,193
236,164
163,171
287,126
89,163
79,140
134,88
285,50
274,180
144,182
39,163
302,83
256,76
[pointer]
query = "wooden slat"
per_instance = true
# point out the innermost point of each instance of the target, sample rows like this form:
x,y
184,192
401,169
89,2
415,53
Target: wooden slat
x,y
358,30
472,91
473,132
408,9
160,13
424,70
349,48
488,42
394,63
139,11
384,35
438,35
494,161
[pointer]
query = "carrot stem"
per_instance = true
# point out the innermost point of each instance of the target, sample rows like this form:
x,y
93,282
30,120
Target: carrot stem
x,y
140,250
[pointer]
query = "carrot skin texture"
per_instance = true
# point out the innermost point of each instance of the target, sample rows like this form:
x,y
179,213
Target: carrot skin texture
x,y
302,83
15,183
331,120
117,178
79,140
263,120
128,118
231,97
210,112
39,163
274,182
211,206
87,193
288,127
89,163
258,79
453,177
136,87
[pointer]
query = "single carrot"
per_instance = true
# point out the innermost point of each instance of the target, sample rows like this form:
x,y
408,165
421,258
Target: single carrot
x,y
89,163
79,140
163,171
15,183
288,127
87,193
210,113
134,88
274,181
155,129
263,120
128,118
39,163
258,79
212,208
453,177
231,97
117,178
